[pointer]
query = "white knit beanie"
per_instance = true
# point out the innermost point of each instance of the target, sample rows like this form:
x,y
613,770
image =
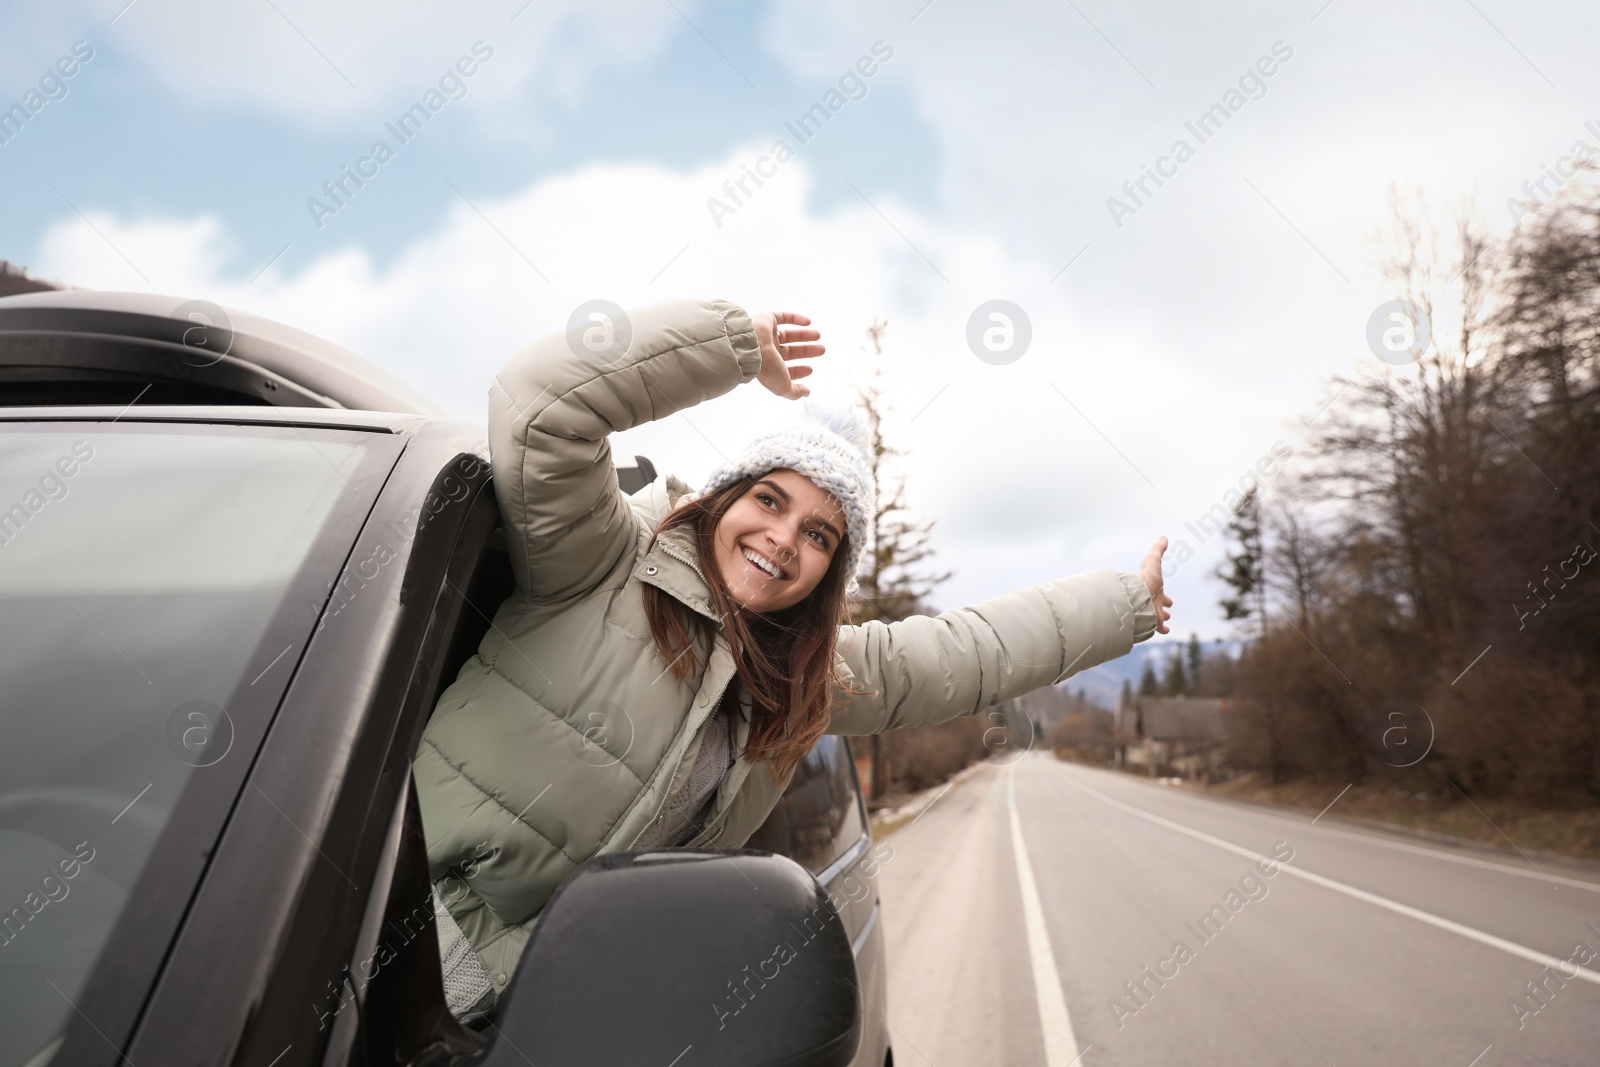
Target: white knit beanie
x,y
828,446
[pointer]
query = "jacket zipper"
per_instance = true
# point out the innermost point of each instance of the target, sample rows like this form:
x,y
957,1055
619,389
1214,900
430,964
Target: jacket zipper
x,y
667,548
722,817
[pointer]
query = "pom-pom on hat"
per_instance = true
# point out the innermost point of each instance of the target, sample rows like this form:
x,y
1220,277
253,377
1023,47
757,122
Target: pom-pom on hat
x,y
828,446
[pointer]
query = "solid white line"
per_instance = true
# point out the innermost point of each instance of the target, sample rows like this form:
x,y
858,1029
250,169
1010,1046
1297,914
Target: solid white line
x,y
1510,947
1060,1044
1401,846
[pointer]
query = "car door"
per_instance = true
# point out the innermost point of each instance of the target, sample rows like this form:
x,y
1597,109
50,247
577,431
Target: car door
x,y
154,601
821,823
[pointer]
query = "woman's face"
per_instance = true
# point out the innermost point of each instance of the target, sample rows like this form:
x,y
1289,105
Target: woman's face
x,y
775,543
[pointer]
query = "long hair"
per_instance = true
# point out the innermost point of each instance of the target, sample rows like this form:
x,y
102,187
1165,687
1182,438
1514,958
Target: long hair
x,y
783,659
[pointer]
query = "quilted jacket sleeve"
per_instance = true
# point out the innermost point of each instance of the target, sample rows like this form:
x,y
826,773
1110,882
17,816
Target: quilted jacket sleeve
x,y
553,405
927,669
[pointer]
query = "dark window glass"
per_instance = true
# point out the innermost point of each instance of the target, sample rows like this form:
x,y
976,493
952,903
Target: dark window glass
x,y
819,816
139,570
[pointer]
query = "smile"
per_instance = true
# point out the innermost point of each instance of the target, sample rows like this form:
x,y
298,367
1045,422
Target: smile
x,y
762,564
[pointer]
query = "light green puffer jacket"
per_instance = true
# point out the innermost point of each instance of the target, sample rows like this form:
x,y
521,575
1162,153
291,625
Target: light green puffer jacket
x,y
561,738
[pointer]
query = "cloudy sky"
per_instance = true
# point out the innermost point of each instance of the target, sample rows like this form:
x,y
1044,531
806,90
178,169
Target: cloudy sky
x,y
1181,326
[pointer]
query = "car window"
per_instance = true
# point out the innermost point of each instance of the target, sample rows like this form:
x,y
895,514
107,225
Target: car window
x,y
139,570
819,816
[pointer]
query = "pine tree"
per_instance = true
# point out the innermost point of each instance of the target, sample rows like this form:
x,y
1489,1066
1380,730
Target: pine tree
x,y
1196,661
1176,682
1243,571
1148,686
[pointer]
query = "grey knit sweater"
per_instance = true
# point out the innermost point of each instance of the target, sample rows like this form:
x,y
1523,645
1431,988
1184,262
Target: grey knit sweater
x,y
683,815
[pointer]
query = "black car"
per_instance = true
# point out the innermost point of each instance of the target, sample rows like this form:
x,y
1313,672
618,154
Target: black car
x,y
238,565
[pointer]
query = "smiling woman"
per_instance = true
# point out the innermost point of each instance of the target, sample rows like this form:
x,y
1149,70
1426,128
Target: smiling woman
x,y
670,657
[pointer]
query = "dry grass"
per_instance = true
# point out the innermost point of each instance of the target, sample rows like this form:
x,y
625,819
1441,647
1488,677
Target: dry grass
x,y
1571,831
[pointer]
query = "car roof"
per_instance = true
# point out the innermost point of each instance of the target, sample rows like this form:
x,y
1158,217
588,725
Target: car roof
x,y
395,422
64,343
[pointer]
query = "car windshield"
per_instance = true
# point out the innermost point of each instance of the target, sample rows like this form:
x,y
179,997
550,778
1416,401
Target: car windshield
x,y
140,568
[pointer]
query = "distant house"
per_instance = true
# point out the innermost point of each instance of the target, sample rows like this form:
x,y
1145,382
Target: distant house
x,y
1182,736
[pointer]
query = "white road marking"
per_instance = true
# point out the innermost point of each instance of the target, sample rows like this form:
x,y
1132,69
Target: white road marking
x,y
1468,932
1060,1044
1433,853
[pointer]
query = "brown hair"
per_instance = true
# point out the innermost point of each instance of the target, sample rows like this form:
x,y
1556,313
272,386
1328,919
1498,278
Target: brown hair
x,y
784,659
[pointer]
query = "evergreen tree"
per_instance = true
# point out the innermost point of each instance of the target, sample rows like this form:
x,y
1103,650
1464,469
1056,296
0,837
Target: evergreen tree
x,y
1176,683
1243,571
1196,661
1148,686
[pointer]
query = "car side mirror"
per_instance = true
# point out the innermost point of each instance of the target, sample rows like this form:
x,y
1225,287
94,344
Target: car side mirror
x,y
695,955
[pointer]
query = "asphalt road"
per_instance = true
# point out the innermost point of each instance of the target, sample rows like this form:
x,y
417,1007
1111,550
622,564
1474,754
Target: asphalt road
x,y
1363,948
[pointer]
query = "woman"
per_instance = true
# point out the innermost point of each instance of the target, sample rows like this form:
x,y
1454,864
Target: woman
x,y
668,658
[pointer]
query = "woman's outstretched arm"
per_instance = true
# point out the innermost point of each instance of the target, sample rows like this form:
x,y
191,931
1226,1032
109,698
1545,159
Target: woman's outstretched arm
x,y
553,405
927,669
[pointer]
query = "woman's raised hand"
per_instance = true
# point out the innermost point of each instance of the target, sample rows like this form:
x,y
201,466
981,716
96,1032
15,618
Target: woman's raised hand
x,y
779,346
1150,571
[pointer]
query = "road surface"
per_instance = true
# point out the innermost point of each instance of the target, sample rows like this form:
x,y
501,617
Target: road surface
x,y
1361,948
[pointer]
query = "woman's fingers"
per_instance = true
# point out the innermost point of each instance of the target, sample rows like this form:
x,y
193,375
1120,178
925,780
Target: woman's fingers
x,y
801,344
1157,550
1154,580
785,336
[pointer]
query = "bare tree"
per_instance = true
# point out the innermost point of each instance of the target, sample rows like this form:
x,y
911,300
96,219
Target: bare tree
x,y
894,586
1452,507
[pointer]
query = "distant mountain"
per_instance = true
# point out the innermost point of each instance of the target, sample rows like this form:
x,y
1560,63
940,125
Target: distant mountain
x,y
14,280
1102,683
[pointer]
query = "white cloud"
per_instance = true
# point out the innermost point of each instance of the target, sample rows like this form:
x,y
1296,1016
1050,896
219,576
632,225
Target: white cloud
x,y
1023,487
